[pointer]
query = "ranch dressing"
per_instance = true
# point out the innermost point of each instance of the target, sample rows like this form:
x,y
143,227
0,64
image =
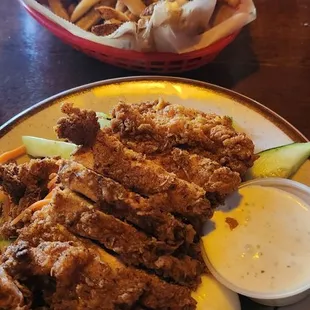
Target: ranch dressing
x,y
262,241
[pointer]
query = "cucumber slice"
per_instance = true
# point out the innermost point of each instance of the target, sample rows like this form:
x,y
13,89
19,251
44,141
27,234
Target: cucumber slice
x,y
236,126
280,162
39,147
104,120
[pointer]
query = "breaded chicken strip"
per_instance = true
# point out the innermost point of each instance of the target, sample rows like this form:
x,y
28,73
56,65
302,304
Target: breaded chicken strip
x,y
84,276
114,199
133,247
27,183
24,184
165,125
81,128
203,171
109,157
13,295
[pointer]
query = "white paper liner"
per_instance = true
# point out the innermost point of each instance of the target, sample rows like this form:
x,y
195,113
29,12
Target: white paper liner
x,y
171,29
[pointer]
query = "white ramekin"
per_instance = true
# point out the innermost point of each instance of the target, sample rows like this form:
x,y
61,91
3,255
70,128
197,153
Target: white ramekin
x,y
277,299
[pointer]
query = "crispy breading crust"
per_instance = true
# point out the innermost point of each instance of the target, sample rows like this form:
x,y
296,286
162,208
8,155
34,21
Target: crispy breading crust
x,y
165,125
114,199
79,127
133,246
105,29
165,190
86,276
203,171
25,184
132,190
12,294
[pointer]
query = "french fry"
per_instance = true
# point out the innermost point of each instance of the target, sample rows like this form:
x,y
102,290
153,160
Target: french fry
x,y
58,8
120,6
105,29
131,16
85,5
134,6
82,8
108,13
90,19
113,21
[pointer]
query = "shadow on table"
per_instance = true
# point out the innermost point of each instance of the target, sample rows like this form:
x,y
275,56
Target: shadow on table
x,y
233,64
248,304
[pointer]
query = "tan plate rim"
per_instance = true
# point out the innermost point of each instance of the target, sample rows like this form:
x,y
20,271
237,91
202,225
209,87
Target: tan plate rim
x,y
275,118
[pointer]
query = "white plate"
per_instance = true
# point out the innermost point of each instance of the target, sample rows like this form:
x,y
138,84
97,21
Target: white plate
x,y
266,128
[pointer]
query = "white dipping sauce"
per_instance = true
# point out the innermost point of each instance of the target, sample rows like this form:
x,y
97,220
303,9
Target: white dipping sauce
x,y
269,249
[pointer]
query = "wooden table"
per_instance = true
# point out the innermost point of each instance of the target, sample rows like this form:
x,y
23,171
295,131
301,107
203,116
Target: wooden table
x,y
269,62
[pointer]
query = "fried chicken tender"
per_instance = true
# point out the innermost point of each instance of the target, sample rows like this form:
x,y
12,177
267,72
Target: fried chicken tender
x,y
109,157
203,171
133,246
164,190
165,125
142,189
13,296
114,199
79,127
86,277
25,184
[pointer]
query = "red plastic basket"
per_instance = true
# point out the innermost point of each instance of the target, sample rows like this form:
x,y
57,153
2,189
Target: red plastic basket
x,y
132,60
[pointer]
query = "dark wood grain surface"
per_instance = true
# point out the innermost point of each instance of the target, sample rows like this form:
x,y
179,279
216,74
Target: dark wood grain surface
x,y
269,61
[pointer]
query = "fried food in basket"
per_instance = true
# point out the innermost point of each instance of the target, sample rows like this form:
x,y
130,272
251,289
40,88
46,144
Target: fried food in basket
x,y
58,8
102,17
134,6
90,19
145,25
105,29
85,5
108,13
120,6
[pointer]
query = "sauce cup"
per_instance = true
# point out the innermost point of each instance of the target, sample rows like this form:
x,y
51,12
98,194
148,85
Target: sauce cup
x,y
219,243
